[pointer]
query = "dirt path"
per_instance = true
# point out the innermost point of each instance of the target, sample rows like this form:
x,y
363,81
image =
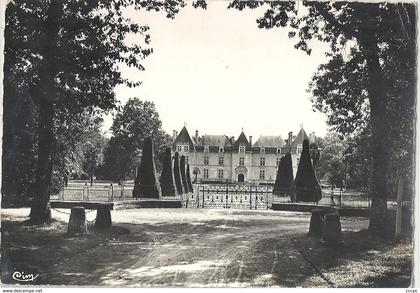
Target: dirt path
x,y
193,248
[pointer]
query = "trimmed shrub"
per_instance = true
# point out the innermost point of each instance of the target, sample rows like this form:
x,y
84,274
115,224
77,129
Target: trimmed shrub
x,y
167,181
280,173
177,175
182,171
284,181
190,187
146,185
307,186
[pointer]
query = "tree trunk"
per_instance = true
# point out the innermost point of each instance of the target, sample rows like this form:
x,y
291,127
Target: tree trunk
x,y
44,94
378,100
40,209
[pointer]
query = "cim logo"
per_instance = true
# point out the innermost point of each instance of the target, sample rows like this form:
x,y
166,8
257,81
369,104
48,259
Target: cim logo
x,y
22,277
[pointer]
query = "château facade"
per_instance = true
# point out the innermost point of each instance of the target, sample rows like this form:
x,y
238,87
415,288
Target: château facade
x,y
221,158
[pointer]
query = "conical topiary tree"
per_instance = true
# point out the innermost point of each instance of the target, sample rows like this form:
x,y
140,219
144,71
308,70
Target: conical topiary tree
x,y
146,185
167,181
307,186
284,181
288,183
183,177
190,187
279,174
177,175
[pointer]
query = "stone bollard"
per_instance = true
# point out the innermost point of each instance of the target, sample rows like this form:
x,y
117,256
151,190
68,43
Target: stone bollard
x,y
77,222
103,218
331,233
317,223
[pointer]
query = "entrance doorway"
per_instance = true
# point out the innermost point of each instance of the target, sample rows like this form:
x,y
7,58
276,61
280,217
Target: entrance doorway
x,y
241,177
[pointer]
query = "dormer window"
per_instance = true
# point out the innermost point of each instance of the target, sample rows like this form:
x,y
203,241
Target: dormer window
x,y
221,150
206,148
186,148
278,151
242,149
262,150
299,149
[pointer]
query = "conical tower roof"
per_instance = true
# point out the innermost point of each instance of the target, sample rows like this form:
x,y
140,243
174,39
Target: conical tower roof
x,y
241,140
184,137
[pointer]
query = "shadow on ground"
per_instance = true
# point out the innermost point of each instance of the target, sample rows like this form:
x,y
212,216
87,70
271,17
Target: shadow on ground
x,y
271,250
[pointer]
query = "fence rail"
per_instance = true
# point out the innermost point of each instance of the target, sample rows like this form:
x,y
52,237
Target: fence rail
x,y
210,195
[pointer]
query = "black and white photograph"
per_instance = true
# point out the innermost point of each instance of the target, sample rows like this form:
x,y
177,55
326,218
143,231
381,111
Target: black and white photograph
x,y
209,144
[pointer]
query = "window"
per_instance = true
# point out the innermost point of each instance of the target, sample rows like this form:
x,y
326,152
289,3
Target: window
x,y
179,148
242,149
186,148
221,161
278,151
299,148
206,148
277,161
206,160
206,173
297,161
221,150
241,161
262,162
262,150
262,174
186,160
220,174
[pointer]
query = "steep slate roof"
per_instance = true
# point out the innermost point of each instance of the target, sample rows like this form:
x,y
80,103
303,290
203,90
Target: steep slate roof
x,y
269,141
299,138
183,137
241,140
215,140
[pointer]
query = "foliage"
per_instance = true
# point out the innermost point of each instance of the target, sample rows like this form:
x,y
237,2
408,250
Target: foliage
x,y
331,165
183,174
188,175
133,122
307,186
145,184
177,175
280,172
67,55
372,65
284,184
167,181
19,146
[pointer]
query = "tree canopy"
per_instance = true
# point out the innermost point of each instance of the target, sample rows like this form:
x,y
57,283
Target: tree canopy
x,y
132,123
371,68
66,55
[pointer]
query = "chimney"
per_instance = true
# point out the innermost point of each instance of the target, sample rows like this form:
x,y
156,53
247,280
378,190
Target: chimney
x,y
312,137
289,140
250,140
196,136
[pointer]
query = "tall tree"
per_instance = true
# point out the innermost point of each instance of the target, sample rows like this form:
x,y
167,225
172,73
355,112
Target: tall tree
x,y
369,30
133,122
66,53
167,180
146,184
331,165
306,183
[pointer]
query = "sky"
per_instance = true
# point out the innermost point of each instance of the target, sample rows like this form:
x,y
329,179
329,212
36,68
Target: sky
x,y
216,72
